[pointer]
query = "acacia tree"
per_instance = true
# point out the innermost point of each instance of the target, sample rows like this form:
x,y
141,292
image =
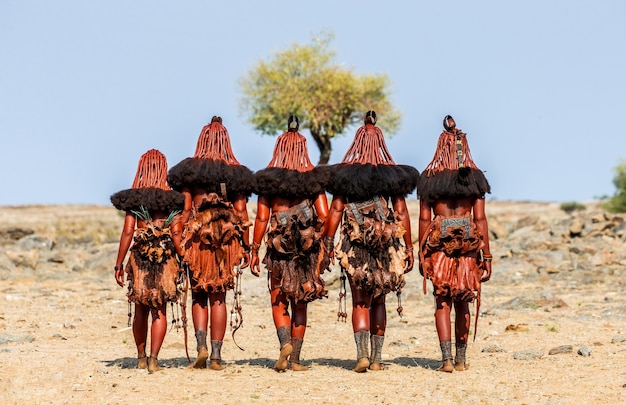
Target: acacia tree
x,y
327,98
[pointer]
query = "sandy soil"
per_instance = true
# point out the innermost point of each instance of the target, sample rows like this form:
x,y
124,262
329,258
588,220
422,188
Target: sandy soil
x,y
64,338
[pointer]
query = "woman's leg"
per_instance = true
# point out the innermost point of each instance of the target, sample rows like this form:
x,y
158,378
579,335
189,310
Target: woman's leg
x,y
140,333
217,303
378,316
200,316
158,329
282,321
298,319
442,322
361,303
461,333
298,329
378,325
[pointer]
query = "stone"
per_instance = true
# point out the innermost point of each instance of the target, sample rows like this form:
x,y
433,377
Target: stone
x,y
618,339
576,228
561,349
492,349
529,354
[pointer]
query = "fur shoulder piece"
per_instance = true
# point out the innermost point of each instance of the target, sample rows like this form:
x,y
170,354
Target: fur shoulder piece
x,y
209,173
152,198
449,184
278,182
362,181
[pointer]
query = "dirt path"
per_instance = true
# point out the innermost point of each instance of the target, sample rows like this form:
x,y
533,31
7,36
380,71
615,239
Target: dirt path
x,y
64,339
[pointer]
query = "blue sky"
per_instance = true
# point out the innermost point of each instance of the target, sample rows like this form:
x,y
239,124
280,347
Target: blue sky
x,y
86,87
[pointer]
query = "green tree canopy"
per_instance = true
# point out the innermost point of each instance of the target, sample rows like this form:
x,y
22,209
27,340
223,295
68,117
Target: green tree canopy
x,y
327,98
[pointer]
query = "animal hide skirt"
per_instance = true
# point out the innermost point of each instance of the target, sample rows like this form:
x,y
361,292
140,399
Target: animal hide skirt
x,y
376,268
294,257
449,256
152,269
213,248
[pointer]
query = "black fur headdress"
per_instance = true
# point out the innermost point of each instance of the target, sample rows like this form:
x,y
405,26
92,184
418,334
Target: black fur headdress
x,y
368,170
363,181
279,182
150,189
151,198
290,173
208,174
452,173
213,163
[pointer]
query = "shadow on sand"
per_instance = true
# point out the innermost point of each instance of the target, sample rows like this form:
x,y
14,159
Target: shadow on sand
x,y
181,362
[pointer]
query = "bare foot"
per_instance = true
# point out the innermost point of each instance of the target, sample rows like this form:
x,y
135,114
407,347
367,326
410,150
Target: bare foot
x,y
282,363
153,365
142,362
447,366
376,366
203,355
216,365
362,364
461,366
298,367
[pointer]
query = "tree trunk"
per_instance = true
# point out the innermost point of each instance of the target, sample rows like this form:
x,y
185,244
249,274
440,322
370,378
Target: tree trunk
x,y
323,144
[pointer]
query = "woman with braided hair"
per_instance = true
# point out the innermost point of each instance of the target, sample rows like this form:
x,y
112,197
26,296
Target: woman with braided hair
x,y
152,209
216,236
454,238
293,203
370,248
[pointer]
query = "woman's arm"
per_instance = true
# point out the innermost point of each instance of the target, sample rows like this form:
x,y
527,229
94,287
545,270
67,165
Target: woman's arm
x,y
402,214
321,206
260,225
480,219
241,209
332,223
125,239
184,218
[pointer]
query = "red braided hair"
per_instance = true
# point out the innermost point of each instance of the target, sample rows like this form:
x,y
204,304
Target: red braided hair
x,y
452,151
369,145
151,171
214,143
290,151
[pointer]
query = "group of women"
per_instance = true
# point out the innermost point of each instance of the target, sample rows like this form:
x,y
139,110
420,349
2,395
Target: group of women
x,y
190,225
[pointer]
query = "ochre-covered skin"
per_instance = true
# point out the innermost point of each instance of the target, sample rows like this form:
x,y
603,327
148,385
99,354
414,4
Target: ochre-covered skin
x,y
152,226
454,238
291,211
216,235
375,247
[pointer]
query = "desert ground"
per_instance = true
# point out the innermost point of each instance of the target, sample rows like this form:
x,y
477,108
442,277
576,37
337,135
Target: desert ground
x,y
551,329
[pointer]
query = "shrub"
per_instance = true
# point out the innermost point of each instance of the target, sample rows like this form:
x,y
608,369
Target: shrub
x,y
617,203
572,206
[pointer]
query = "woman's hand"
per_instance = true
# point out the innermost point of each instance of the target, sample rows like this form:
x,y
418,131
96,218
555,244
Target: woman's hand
x,y
119,275
410,260
254,264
